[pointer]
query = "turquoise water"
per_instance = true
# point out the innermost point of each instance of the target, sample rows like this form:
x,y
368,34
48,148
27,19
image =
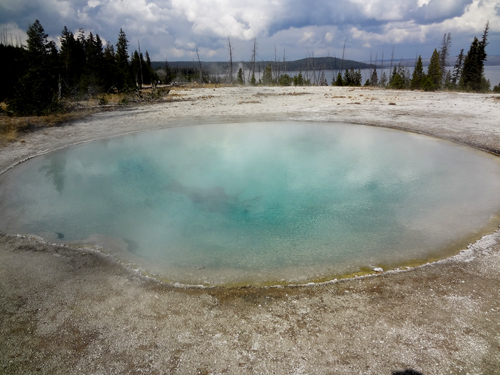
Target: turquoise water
x,y
256,202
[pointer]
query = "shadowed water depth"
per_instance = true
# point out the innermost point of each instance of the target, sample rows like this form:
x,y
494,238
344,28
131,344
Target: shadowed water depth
x,y
257,202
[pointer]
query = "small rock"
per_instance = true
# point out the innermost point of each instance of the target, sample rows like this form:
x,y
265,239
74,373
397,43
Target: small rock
x,y
378,269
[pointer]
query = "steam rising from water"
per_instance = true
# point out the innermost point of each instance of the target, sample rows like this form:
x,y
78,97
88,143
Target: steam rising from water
x,y
257,202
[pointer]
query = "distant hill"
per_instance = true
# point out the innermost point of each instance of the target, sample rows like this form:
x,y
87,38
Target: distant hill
x,y
317,63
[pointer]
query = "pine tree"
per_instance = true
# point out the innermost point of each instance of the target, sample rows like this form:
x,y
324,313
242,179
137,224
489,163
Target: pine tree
x,y
357,77
472,74
374,78
397,81
322,79
149,74
457,69
418,75
434,70
135,68
109,71
253,82
72,56
444,53
37,42
427,84
124,79
298,80
285,80
383,80
448,85
339,81
37,91
240,77
168,73
93,77
267,79
347,78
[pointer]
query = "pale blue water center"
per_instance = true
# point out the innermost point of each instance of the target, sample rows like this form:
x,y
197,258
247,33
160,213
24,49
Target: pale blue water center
x,y
257,202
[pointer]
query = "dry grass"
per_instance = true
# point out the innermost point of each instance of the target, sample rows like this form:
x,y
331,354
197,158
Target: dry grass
x,y
296,93
11,127
249,102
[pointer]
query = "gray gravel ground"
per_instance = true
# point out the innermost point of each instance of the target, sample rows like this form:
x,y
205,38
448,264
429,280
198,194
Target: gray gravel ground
x,y
76,311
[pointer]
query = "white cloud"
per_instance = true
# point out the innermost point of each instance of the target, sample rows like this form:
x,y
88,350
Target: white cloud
x,y
172,28
393,10
244,20
329,37
393,34
11,34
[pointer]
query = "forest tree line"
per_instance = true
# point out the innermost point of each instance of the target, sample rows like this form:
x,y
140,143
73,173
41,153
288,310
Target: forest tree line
x,y
38,78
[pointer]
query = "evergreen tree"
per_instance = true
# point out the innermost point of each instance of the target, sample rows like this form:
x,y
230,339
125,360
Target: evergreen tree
x,y
285,80
397,81
418,75
383,80
109,70
240,77
472,73
150,76
448,85
322,79
457,69
135,68
444,53
267,79
374,78
253,82
124,79
168,73
347,78
434,70
339,81
357,77
393,74
37,91
69,62
38,46
92,79
427,84
298,80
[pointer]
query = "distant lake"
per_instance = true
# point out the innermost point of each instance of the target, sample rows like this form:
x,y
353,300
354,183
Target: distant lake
x,y
491,72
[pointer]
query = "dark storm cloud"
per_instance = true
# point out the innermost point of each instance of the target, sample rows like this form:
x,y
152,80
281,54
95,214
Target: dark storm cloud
x,y
173,28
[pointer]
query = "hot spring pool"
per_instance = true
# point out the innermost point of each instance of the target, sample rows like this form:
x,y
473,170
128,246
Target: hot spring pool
x,y
258,203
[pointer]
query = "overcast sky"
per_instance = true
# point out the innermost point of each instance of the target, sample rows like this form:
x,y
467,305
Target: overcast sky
x,y
171,29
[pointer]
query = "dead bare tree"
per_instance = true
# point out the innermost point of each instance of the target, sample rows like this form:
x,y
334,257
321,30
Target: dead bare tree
x,y
276,66
253,58
315,79
392,58
230,49
343,54
140,62
199,61
444,53
284,60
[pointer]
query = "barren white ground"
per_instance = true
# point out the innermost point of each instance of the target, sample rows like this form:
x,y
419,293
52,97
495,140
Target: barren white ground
x,y
68,310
